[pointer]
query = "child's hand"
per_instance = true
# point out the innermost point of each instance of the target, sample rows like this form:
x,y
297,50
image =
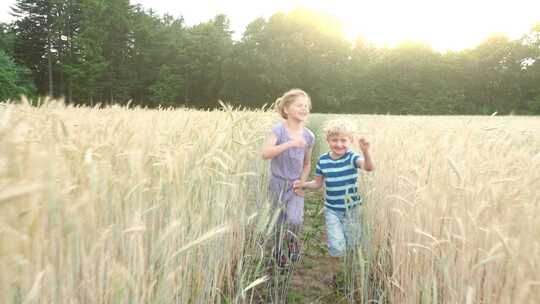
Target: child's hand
x,y
363,144
298,184
298,188
297,142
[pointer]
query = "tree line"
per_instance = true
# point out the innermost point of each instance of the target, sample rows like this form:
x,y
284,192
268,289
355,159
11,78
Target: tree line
x,y
94,51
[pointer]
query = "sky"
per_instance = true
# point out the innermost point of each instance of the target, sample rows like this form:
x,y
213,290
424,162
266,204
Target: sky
x,y
445,25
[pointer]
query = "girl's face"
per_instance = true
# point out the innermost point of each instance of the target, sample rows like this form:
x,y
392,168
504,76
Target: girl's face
x,y
339,144
298,109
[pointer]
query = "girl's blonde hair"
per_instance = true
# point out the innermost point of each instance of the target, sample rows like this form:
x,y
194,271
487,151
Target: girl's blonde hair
x,y
288,98
339,126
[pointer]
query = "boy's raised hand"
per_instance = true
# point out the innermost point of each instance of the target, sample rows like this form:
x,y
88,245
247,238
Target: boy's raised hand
x,y
363,144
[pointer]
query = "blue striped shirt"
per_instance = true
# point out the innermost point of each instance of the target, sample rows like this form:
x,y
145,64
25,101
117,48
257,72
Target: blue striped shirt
x,y
340,180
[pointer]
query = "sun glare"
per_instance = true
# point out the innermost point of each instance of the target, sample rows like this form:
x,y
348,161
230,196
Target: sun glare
x,y
445,25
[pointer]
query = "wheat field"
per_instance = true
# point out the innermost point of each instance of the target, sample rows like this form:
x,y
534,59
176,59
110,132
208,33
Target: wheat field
x,y
131,205
120,205
453,209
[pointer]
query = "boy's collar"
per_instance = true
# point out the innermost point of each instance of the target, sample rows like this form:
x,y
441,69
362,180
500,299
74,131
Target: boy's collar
x,y
340,157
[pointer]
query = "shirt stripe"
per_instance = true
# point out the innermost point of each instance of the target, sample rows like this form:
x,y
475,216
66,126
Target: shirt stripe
x,y
340,180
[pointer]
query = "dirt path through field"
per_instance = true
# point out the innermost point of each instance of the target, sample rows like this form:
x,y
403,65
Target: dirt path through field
x,y
311,278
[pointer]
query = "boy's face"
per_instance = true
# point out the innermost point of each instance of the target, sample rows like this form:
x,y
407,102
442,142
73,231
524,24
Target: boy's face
x,y
339,144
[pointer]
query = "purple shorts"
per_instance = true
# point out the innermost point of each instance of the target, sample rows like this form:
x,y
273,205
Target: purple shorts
x,y
291,205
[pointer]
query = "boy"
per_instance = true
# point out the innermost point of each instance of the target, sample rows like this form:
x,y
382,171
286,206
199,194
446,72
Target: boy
x,y
338,169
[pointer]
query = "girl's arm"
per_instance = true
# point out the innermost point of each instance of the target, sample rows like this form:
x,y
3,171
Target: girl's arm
x,y
307,165
305,172
271,150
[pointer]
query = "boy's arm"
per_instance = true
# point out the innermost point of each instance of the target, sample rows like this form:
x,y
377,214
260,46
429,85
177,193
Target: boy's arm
x,y
299,186
366,163
315,183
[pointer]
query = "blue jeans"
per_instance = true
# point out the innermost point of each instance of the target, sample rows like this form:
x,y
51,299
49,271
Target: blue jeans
x,y
344,230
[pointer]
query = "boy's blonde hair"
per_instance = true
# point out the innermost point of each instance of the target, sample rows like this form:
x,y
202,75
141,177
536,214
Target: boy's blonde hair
x,y
339,126
288,98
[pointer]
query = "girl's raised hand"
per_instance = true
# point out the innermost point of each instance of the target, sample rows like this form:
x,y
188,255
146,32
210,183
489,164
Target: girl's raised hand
x,y
298,142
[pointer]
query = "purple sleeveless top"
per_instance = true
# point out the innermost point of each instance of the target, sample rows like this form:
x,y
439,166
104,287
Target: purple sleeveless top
x,y
289,164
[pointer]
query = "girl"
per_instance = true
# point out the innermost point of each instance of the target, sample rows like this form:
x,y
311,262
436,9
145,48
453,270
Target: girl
x,y
289,147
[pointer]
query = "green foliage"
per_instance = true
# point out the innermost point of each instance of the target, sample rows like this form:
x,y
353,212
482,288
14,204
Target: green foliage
x,y
169,89
111,52
7,38
299,49
207,46
14,79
